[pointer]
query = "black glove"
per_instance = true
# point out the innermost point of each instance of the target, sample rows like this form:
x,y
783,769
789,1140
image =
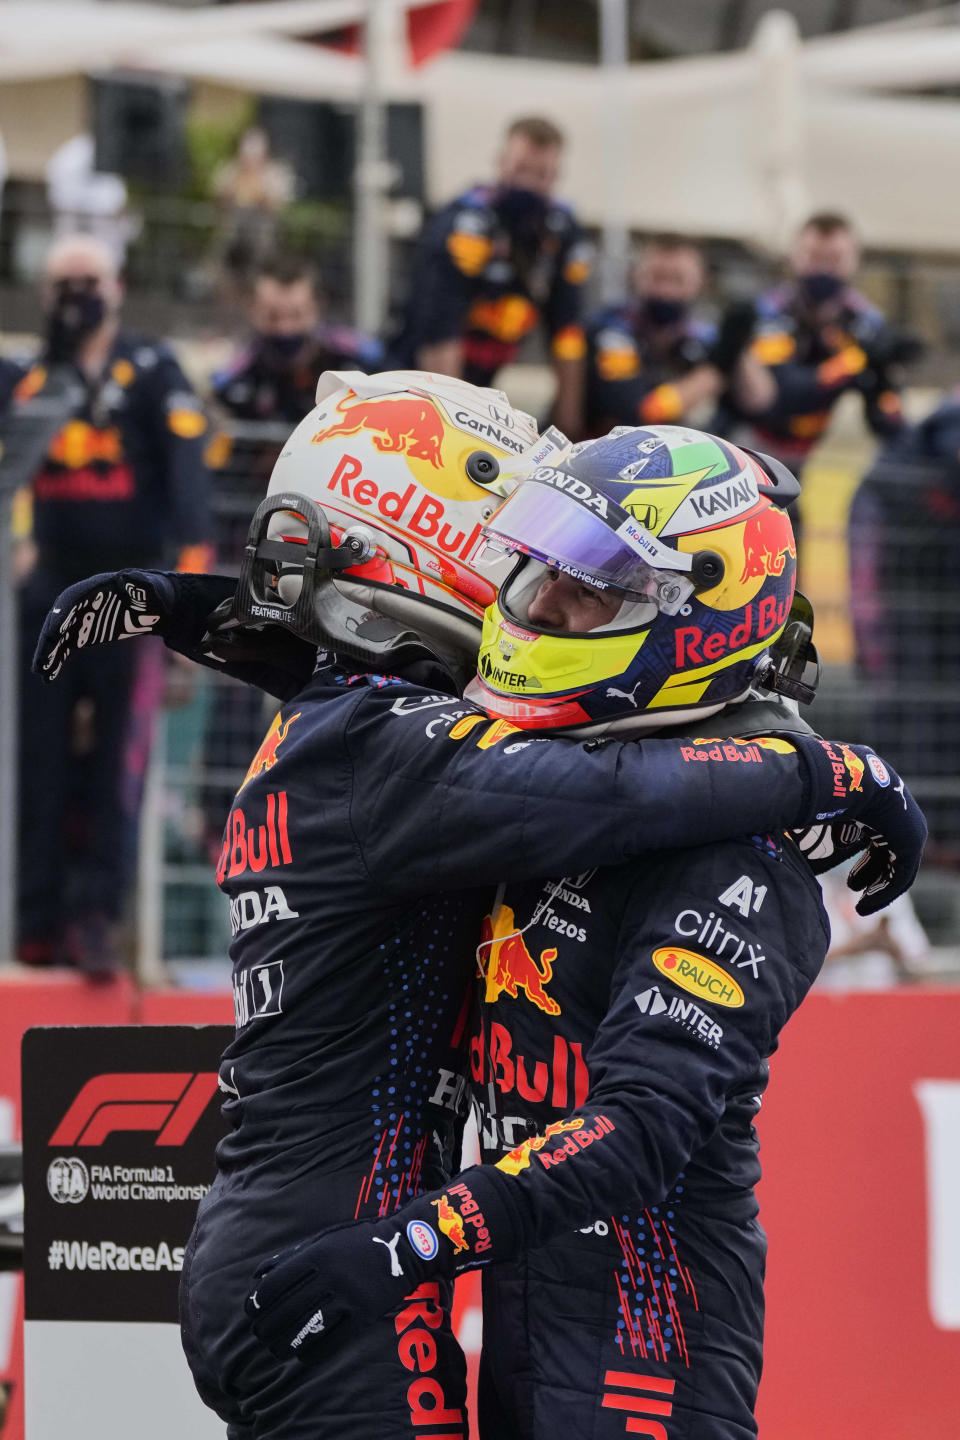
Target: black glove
x,y
122,605
860,803
892,346
357,1272
194,616
734,336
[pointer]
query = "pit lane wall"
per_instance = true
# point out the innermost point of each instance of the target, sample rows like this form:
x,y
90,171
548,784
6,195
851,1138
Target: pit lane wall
x,y
861,1201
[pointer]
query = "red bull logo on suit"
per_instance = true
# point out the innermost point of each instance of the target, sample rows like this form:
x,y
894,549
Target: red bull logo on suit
x,y
511,967
266,756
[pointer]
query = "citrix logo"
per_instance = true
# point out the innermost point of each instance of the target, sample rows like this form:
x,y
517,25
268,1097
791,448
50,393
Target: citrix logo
x,y
170,1104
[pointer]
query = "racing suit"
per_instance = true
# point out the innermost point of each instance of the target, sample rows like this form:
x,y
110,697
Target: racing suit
x,y
491,277
628,1015
814,366
631,367
345,1082
904,529
123,479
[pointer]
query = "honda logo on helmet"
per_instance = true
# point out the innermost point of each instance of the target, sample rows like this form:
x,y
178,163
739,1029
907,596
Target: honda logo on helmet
x,y
645,515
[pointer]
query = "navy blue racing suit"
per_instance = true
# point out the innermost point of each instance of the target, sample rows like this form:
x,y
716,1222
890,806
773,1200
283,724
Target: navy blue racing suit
x,y
628,1015
632,366
123,479
812,366
490,276
360,856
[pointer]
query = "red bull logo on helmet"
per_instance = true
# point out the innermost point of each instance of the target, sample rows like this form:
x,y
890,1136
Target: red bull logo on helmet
x,y
402,425
266,756
767,541
511,968
422,516
761,621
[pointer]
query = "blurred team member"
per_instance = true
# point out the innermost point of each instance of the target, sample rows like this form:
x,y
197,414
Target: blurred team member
x,y
904,595
274,377
651,361
252,189
821,338
123,477
494,264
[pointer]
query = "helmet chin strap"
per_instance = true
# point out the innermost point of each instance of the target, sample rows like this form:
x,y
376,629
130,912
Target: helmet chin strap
x,y
298,581
444,634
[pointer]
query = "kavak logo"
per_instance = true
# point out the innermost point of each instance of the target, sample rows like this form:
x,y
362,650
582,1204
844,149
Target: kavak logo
x,y
170,1104
698,976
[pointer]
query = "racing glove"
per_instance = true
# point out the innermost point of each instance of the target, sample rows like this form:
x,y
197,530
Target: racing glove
x,y
860,803
194,615
353,1274
122,605
179,608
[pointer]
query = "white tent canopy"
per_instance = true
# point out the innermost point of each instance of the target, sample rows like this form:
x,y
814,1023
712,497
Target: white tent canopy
x,y
736,145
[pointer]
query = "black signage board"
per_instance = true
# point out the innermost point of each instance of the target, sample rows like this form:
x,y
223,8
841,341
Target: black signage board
x,y
120,1124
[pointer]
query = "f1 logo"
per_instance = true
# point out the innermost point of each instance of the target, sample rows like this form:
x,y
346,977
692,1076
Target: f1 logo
x,y
170,1104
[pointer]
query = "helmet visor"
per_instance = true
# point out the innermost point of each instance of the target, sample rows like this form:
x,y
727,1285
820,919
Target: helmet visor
x,y
550,526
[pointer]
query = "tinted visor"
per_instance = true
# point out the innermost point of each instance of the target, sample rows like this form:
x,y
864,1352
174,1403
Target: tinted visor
x,y
556,529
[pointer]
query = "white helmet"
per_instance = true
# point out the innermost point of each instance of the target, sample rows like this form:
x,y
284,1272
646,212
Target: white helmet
x,y
402,469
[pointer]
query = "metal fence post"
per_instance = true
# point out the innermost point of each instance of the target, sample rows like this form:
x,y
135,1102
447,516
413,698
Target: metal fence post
x,y
8,733
148,965
372,177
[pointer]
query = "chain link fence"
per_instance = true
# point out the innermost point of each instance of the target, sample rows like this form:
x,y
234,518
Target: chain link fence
x,y
899,690
206,742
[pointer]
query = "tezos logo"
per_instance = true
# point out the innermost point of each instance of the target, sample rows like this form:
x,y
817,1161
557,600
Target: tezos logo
x,y
423,1238
68,1180
878,770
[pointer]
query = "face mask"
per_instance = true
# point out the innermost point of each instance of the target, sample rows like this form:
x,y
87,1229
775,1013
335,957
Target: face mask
x,y
522,211
664,312
75,314
818,288
283,347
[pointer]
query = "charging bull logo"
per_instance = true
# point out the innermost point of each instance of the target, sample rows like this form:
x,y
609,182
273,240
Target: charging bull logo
x,y
450,1222
511,968
767,541
855,767
519,1158
78,445
266,756
405,425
